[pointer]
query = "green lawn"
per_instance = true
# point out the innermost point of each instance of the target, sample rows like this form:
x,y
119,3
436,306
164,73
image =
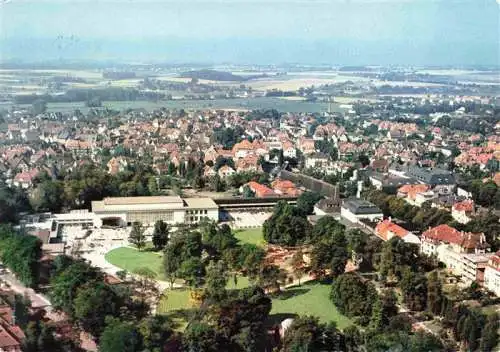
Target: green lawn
x,y
131,259
251,236
309,299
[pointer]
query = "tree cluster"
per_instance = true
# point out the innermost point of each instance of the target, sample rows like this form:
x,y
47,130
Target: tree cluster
x,y
21,253
287,226
418,219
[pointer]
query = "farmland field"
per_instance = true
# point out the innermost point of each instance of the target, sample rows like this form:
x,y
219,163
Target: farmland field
x,y
237,104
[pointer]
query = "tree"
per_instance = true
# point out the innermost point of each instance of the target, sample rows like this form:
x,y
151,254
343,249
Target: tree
x,y
40,338
384,308
120,336
308,334
48,196
216,281
364,160
286,226
161,234
327,228
414,288
192,271
298,265
434,293
250,260
21,310
306,202
156,331
203,337
247,192
328,259
489,339
145,283
219,238
271,277
352,295
172,260
92,304
65,285
21,254
39,106
137,236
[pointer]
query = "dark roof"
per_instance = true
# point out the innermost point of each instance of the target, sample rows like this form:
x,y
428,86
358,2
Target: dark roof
x,y
329,205
392,181
361,206
432,176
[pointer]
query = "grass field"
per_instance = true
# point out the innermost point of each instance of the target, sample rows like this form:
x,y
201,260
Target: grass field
x,y
131,259
309,299
252,236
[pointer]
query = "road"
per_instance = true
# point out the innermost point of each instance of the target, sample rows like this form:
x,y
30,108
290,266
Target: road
x,y
37,300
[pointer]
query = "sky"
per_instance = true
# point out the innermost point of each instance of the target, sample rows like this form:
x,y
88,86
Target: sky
x,y
386,32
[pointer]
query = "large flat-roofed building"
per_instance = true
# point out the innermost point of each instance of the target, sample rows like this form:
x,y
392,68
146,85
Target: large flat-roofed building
x,y
148,210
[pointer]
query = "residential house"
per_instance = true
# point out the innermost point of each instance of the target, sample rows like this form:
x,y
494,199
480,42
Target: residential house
x,y
259,190
285,187
386,230
25,179
242,149
225,171
356,209
316,160
306,145
463,211
327,206
289,150
11,335
116,165
410,192
441,181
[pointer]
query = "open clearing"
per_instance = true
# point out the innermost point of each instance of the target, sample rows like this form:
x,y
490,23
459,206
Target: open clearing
x,y
309,299
251,236
131,259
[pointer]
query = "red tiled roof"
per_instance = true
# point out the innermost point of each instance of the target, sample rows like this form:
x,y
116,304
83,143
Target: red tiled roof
x,y
466,205
448,234
412,190
260,190
386,226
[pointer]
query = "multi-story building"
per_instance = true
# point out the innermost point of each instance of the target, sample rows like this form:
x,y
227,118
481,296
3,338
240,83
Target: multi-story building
x,y
148,210
492,274
464,253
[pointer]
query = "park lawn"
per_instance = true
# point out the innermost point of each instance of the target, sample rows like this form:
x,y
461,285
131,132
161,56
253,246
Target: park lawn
x,y
309,299
251,236
131,259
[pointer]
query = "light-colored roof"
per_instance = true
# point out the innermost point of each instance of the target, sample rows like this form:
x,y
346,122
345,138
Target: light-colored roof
x,y
205,203
158,203
142,200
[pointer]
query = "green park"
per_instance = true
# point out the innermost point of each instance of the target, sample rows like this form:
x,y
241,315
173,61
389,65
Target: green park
x,y
310,298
